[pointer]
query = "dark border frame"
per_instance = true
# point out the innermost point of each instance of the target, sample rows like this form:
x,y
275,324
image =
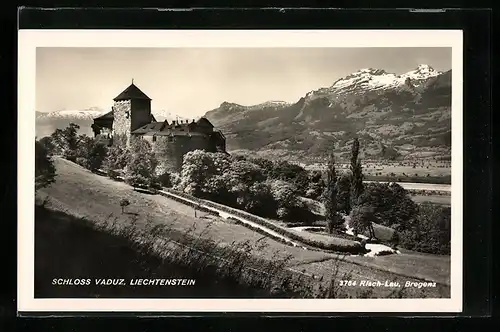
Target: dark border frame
x,y
478,162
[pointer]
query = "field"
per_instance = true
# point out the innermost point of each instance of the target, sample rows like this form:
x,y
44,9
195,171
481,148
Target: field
x,y
438,173
436,199
81,193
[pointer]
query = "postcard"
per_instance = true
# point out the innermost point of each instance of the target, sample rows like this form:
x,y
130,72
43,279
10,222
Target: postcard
x,y
240,171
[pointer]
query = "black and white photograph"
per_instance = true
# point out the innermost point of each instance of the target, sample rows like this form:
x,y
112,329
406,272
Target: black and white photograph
x,y
209,171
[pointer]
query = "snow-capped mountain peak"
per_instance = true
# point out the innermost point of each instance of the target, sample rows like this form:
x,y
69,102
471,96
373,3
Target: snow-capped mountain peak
x,y
272,103
162,115
371,71
422,72
371,79
88,113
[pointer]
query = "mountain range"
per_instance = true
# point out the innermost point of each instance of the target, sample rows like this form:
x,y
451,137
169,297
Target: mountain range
x,y
48,122
406,116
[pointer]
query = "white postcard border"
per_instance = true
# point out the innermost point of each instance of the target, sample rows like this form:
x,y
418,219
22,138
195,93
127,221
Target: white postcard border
x,y
29,40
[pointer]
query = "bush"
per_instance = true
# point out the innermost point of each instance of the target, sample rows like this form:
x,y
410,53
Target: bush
x,y
165,180
329,242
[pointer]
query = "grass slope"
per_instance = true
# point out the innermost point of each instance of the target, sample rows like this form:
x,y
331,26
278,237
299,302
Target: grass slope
x,y
84,194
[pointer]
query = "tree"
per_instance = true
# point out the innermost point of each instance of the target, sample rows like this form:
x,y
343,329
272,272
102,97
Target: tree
x,y
117,158
66,141
344,193
140,171
286,171
430,231
334,222
362,219
200,172
83,150
259,199
97,154
316,185
356,173
47,143
286,195
391,203
45,171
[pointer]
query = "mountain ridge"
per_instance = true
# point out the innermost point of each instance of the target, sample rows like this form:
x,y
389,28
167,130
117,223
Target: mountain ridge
x,y
47,122
409,114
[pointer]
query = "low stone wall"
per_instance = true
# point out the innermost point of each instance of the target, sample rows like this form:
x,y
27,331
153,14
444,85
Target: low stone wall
x,y
353,248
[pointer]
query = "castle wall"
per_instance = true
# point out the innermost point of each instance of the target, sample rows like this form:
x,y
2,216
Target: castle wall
x,y
171,150
122,118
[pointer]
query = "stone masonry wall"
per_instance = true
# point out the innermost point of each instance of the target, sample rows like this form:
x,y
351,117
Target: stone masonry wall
x,y
122,118
170,153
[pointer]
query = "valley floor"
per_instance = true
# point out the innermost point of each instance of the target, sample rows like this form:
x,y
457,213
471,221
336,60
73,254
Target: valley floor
x,y
81,193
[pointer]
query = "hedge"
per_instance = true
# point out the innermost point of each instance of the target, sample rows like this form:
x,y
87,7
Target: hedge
x,y
330,242
342,245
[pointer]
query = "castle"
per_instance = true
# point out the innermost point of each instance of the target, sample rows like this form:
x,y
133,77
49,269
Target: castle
x,y
131,116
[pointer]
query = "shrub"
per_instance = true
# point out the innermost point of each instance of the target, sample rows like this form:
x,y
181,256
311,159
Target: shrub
x,y
123,203
329,242
165,180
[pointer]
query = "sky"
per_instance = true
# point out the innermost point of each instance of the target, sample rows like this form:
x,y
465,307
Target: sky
x,y
191,81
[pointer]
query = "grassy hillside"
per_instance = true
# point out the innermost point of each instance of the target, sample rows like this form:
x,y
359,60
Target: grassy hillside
x,y
82,194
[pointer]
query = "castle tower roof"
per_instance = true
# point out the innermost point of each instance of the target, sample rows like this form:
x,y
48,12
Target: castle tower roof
x,y
132,92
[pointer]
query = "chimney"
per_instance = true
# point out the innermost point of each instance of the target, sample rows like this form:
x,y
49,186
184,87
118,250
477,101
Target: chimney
x,y
192,121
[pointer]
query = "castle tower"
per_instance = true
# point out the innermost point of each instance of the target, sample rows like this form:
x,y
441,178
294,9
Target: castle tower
x,y
131,110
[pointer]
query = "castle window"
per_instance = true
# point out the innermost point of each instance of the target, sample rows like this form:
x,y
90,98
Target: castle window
x,y
127,114
154,138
